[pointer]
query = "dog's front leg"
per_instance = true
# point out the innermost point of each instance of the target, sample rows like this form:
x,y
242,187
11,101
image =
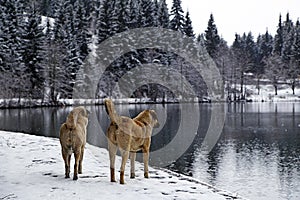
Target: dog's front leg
x,y
125,155
146,160
132,166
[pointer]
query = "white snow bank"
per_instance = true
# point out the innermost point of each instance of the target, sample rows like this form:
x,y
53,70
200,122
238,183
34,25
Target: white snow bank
x,y
31,167
267,93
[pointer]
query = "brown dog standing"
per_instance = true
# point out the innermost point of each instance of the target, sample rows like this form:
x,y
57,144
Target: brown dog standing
x,y
73,139
130,135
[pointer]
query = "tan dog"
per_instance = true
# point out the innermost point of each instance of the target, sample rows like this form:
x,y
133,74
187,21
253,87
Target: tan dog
x,y
130,135
73,138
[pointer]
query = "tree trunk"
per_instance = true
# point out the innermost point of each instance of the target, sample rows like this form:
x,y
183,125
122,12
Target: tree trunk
x,y
293,86
275,86
242,84
258,86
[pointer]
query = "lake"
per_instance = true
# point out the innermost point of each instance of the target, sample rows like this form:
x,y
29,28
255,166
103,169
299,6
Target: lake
x,y
252,149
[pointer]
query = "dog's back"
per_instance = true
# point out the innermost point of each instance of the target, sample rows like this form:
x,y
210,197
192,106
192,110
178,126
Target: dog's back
x,y
77,116
73,131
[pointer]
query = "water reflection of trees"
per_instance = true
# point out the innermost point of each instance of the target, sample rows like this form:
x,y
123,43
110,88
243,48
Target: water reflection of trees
x,y
256,147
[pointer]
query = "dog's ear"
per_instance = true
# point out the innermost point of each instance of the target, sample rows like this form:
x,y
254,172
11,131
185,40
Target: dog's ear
x,y
85,112
65,125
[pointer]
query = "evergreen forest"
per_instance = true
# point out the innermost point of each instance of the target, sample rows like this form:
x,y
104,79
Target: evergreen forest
x,y
44,43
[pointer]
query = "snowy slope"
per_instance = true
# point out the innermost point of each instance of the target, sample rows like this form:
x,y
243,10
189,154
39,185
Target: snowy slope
x,y
31,167
267,93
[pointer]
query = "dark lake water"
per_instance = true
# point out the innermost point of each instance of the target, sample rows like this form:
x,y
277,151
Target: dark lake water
x,y
255,153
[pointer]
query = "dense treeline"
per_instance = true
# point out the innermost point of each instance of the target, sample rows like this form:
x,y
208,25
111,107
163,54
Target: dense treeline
x,y
40,56
248,61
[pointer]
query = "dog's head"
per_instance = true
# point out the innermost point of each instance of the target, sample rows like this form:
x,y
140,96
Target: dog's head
x,y
148,117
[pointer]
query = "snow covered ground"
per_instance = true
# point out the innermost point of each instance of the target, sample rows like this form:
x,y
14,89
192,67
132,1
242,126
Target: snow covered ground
x,y
267,93
31,167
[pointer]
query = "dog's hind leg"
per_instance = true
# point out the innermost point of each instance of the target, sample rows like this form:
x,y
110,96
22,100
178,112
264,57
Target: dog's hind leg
x,y
80,160
66,158
132,162
125,155
69,164
112,149
77,158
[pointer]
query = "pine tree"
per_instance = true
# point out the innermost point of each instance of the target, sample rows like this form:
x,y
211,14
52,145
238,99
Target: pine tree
x,y
251,54
222,61
2,36
212,39
264,51
124,17
146,13
54,73
288,38
294,67
266,44
243,50
103,22
32,52
156,22
115,25
76,43
278,41
62,28
47,62
274,69
82,25
3,76
296,45
13,67
133,14
237,62
177,18
188,27
163,14
10,37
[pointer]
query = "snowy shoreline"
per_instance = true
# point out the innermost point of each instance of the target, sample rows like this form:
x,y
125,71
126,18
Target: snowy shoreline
x,y
266,94
32,168
30,103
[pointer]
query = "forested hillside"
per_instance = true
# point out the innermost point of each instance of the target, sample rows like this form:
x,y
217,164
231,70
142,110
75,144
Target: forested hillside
x,y
44,43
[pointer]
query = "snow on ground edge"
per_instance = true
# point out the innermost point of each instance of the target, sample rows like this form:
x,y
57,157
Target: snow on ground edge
x,y
31,167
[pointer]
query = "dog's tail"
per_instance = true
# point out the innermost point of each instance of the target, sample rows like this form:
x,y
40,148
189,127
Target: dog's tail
x,y
111,111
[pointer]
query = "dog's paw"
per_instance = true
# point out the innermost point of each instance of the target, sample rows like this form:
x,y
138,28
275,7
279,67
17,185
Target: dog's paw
x,y
113,180
122,182
75,178
146,175
132,175
67,176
